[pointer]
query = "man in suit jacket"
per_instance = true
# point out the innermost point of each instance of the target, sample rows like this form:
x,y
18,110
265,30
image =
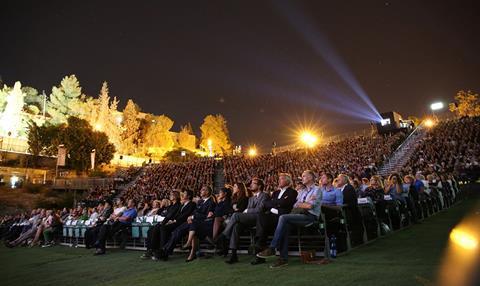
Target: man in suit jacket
x,y
248,218
177,214
280,203
203,211
350,202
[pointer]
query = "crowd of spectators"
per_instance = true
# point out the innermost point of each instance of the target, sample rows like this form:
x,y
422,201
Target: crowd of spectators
x,y
126,175
453,146
332,176
157,180
358,157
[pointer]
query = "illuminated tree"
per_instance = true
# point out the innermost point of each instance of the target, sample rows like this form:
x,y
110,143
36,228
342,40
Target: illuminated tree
x,y
12,120
214,130
80,139
186,138
158,138
131,126
467,104
105,119
65,100
43,139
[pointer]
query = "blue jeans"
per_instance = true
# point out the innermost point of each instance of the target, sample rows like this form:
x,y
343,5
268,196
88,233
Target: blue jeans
x,y
280,238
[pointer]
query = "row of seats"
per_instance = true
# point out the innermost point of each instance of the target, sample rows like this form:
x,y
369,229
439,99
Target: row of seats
x,y
373,220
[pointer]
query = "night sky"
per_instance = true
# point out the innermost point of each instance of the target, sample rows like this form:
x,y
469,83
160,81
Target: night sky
x,y
248,60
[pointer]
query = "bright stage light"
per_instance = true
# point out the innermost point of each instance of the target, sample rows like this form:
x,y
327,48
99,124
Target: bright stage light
x,y
252,152
436,106
384,122
308,139
463,239
429,123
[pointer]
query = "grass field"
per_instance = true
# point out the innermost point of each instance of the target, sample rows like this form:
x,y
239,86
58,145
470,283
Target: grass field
x,y
408,257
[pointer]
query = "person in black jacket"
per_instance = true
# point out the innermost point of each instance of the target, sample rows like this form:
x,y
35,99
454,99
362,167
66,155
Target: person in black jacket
x,y
175,217
203,212
240,197
154,234
200,229
281,202
350,203
92,232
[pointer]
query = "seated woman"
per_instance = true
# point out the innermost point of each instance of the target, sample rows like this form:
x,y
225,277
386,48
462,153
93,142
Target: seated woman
x,y
240,197
46,223
223,209
201,223
29,233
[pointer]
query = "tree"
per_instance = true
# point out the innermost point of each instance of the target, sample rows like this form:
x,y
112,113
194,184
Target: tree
x,y
13,121
214,130
43,139
105,117
158,138
80,139
65,100
131,126
467,104
186,138
4,91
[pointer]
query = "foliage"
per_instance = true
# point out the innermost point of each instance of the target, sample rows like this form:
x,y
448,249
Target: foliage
x,y
80,139
467,104
186,138
157,135
214,128
66,100
131,126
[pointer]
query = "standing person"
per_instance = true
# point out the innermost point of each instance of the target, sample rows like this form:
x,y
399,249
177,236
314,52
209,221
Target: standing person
x,y
305,211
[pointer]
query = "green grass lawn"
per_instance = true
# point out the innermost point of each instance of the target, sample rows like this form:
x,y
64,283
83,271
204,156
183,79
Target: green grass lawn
x,y
408,257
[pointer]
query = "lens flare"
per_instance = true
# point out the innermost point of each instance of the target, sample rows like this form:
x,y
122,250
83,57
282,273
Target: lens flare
x,y
463,239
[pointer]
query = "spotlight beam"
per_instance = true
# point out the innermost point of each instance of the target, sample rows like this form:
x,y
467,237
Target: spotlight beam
x,y
321,45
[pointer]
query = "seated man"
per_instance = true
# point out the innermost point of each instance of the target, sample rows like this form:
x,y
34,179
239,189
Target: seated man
x,y
177,213
305,211
120,222
204,211
282,202
92,232
332,201
248,218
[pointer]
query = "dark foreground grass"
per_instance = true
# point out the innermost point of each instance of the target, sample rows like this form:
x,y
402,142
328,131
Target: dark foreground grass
x,y
408,257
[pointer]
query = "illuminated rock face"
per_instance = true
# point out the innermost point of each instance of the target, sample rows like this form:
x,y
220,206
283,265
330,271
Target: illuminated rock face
x,y
11,119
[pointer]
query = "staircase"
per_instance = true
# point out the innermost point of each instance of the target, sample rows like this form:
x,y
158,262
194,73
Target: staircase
x,y
122,188
219,176
403,153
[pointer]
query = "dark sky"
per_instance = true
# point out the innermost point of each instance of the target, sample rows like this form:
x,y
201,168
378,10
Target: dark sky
x,y
245,59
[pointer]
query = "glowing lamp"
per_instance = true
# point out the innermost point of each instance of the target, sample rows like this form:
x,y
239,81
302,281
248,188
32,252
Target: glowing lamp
x,y
252,152
429,123
309,139
436,106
